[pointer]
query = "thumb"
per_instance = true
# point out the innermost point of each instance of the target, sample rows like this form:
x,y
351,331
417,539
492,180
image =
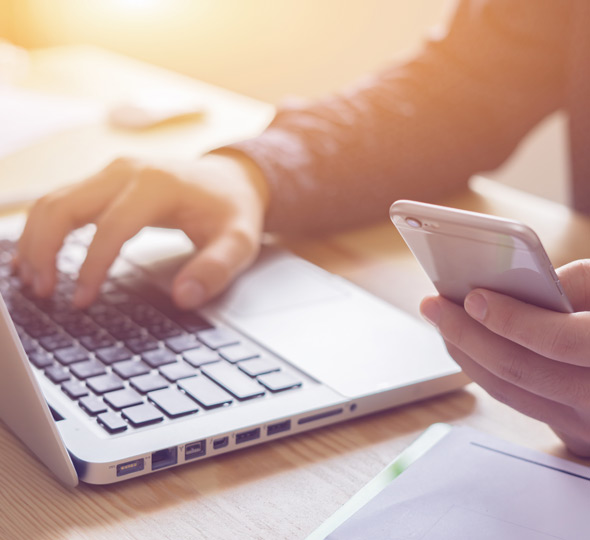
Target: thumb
x,y
213,268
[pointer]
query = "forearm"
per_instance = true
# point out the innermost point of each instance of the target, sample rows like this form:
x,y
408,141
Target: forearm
x,y
419,129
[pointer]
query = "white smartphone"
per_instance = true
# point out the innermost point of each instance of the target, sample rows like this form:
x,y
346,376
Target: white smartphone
x,y
461,251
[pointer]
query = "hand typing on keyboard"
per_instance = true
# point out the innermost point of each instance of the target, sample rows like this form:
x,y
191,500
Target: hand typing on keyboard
x,y
218,201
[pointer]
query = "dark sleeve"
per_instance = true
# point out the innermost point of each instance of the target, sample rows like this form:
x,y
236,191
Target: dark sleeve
x,y
421,128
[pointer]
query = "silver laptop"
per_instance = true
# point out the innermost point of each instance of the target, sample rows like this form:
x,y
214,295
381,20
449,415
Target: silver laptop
x,y
131,385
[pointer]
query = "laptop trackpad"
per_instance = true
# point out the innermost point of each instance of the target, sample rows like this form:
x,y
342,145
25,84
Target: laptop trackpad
x,y
333,331
279,282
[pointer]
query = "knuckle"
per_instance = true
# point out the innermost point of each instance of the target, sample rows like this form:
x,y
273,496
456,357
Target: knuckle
x,y
564,341
579,390
512,370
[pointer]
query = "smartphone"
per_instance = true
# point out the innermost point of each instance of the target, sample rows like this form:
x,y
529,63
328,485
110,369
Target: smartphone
x,y
461,251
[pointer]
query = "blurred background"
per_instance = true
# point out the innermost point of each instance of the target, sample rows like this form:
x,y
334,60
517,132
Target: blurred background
x,y
268,50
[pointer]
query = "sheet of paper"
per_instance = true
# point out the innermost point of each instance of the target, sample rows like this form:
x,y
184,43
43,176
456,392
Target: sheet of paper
x,y
473,486
27,116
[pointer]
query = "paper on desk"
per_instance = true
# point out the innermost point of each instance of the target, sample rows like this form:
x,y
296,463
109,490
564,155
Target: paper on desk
x,y
27,116
473,486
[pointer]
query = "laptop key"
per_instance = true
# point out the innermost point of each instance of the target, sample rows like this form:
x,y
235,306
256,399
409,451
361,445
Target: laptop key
x,y
39,329
92,405
237,353
81,327
141,344
182,343
205,392
200,357
112,422
178,370
56,341
191,322
96,341
123,398
70,355
110,355
235,382
279,381
158,357
89,368
131,368
148,383
28,343
74,389
105,383
163,329
143,415
57,374
173,402
258,366
215,338
124,330
40,359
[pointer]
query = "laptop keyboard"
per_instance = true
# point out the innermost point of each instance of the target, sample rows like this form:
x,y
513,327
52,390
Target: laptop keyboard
x,y
132,359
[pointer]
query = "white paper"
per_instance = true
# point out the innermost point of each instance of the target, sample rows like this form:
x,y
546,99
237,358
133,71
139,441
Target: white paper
x,y
27,116
472,486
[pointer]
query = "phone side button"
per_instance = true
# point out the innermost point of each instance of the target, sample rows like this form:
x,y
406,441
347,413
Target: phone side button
x,y
560,288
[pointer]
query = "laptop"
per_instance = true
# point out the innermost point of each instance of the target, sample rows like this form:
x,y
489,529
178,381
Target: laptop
x,y
132,385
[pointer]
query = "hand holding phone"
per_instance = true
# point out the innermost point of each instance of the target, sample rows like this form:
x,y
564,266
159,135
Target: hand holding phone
x,y
461,251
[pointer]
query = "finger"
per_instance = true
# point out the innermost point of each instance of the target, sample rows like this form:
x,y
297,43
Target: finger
x,y
214,267
54,216
579,445
556,414
564,337
130,211
564,420
510,361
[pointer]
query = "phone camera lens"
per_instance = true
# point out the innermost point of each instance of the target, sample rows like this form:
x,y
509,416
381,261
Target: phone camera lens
x,y
413,222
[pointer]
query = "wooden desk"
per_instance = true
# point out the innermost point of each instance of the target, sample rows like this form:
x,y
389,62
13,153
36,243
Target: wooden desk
x,y
283,489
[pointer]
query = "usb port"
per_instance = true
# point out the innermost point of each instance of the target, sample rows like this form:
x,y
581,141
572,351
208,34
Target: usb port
x,y
164,458
130,467
222,442
279,427
195,449
246,436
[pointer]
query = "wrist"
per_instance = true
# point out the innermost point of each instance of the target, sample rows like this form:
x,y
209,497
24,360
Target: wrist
x,y
243,166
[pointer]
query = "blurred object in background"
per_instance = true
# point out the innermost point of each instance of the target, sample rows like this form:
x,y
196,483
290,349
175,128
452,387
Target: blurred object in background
x,y
14,62
259,48
269,49
29,116
149,109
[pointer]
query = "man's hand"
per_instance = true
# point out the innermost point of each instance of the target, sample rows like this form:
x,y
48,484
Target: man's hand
x,y
533,359
218,201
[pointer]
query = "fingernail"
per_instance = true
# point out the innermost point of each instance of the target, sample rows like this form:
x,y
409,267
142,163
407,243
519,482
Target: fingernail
x,y
83,296
477,306
189,294
431,311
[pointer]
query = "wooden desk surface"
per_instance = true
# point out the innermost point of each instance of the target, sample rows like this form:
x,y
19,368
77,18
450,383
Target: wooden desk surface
x,y
283,489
